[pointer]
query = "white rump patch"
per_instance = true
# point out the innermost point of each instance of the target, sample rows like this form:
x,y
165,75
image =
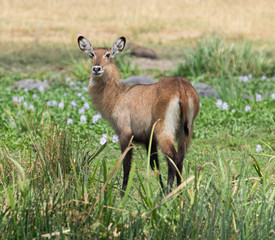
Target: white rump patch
x,y
172,118
190,112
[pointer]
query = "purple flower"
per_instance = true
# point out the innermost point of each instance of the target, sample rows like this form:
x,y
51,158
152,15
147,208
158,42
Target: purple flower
x,y
259,148
48,103
233,110
79,94
81,110
21,99
225,106
219,103
34,95
72,83
67,79
200,105
83,98
26,90
41,88
73,103
263,77
31,107
245,79
83,118
25,104
61,105
247,108
15,99
258,97
85,89
69,121
115,139
12,122
250,75
96,117
54,103
65,94
103,139
272,95
86,105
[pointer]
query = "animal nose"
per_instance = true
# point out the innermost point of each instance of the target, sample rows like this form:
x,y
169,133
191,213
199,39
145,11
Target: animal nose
x,y
96,69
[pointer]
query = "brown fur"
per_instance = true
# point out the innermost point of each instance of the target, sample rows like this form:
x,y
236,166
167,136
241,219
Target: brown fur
x,y
133,111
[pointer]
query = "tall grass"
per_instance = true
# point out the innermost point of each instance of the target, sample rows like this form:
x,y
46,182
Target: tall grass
x,y
60,189
215,57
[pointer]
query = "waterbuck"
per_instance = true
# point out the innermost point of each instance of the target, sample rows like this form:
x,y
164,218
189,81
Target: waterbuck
x,y
133,110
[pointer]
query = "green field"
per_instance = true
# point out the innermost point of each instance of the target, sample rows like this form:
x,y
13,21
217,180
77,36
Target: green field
x,y
59,180
60,162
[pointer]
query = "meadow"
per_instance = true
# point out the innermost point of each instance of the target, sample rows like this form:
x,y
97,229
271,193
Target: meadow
x,y
60,162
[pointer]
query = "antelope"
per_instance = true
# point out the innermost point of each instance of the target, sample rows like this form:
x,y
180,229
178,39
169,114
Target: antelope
x,y
133,110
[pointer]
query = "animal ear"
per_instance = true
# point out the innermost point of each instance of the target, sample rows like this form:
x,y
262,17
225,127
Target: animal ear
x,y
118,46
85,46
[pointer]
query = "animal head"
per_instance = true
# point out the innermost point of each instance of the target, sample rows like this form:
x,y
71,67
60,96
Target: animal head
x,y
101,56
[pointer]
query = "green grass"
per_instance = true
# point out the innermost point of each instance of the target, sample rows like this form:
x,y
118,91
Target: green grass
x,y
57,181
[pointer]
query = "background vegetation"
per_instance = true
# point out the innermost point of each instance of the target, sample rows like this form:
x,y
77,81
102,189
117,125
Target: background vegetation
x,y
60,164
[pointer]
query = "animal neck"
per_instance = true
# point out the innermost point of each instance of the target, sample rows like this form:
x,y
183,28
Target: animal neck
x,y
106,90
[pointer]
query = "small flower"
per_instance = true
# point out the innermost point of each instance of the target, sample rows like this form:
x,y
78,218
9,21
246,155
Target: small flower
x,y
263,77
54,103
272,95
31,107
72,83
21,99
250,75
225,106
26,89
115,139
34,95
219,103
83,118
103,139
41,88
81,110
25,104
12,122
73,103
83,98
76,87
258,97
79,94
245,79
85,89
15,99
19,113
233,110
96,117
48,103
61,105
86,105
247,108
67,79
69,121
65,94
200,105
259,148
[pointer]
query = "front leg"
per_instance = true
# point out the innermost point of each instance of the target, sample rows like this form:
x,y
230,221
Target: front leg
x,y
124,142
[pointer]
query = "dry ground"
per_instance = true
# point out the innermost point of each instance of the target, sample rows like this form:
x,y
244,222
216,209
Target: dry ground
x,y
153,23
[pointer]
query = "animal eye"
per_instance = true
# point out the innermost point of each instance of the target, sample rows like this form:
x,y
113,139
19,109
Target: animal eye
x,y
107,55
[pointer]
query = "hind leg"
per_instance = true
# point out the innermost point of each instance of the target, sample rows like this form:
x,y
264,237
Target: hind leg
x,y
183,144
166,143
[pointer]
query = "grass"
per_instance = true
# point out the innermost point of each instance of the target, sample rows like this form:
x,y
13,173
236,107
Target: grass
x,y
57,181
